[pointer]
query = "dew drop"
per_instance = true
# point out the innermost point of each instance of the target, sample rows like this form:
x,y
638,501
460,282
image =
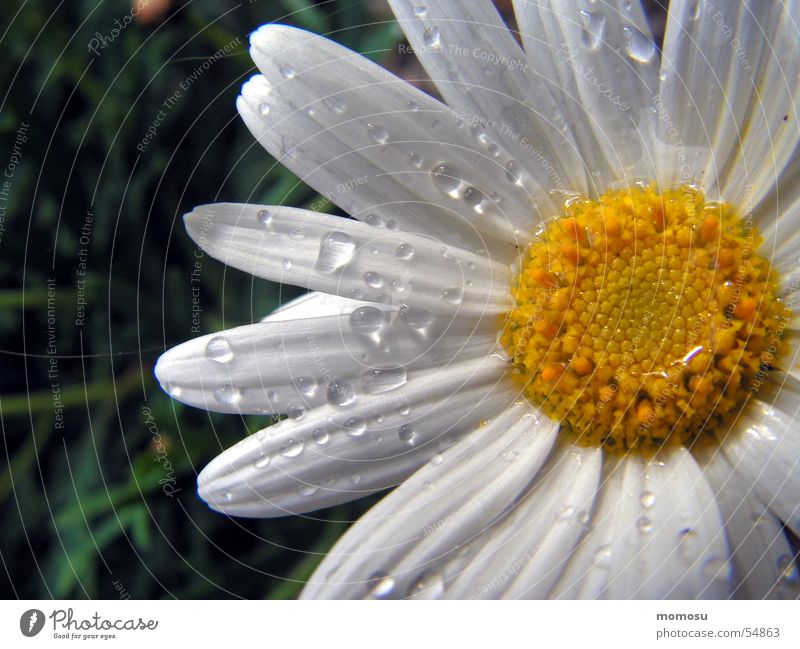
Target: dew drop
x,y
428,586
687,542
566,514
375,220
333,106
415,317
391,224
379,381
228,394
335,251
366,320
404,251
262,461
637,45
594,24
355,478
513,172
696,10
403,409
398,287
305,386
355,426
219,350
447,179
412,106
287,71
264,109
453,296
644,524
787,569
407,434
226,495
432,37
420,11
286,264
308,489
373,279
340,393
415,159
295,412
717,569
321,436
378,133
264,217
292,448
648,499
474,197
173,390
436,460
380,586
602,557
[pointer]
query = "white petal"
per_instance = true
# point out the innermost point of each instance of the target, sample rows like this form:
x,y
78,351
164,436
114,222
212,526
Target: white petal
x,y
707,90
333,455
761,552
770,131
349,258
288,366
315,305
374,144
486,77
765,450
604,63
523,555
442,506
662,538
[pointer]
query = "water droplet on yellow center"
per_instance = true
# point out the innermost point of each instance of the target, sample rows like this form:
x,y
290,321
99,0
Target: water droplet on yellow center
x,y
644,318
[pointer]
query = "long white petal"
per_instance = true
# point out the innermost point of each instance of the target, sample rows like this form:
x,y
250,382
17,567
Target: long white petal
x,y
761,552
523,555
389,552
332,455
485,75
375,145
351,259
289,366
605,63
662,538
765,450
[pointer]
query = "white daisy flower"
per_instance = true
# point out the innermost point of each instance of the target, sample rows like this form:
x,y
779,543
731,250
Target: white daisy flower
x,y
551,321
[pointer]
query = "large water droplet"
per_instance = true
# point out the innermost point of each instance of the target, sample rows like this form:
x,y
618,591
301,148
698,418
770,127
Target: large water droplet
x,y
261,461
602,557
638,46
380,586
594,23
340,393
432,37
355,426
228,394
373,279
305,386
436,460
287,71
447,179
420,11
366,320
378,381
264,217
378,133
308,489
219,350
644,524
295,412
335,251
648,499
321,436
404,251
375,220
474,198
264,109
407,434
292,448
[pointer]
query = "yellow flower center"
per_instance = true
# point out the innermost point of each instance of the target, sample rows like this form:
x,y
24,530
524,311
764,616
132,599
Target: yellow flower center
x,y
644,318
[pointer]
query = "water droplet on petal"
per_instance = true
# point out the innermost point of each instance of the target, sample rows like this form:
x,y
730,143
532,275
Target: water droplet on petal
x,y
308,489
226,495
340,393
436,460
379,381
687,542
295,412
432,37
717,569
333,105
428,585
415,317
375,220
264,217
335,251
407,434
412,106
566,514
321,436
286,264
513,172
415,159
355,426
644,524
219,350
373,279
264,109
403,409
355,478
696,9
638,46
378,133
447,179
648,499
420,11
228,394
291,448
404,251
262,461
305,386
787,568
380,586
594,23
453,296
287,71
602,557
366,320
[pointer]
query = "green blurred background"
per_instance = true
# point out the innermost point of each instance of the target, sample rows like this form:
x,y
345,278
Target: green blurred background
x,y
98,468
